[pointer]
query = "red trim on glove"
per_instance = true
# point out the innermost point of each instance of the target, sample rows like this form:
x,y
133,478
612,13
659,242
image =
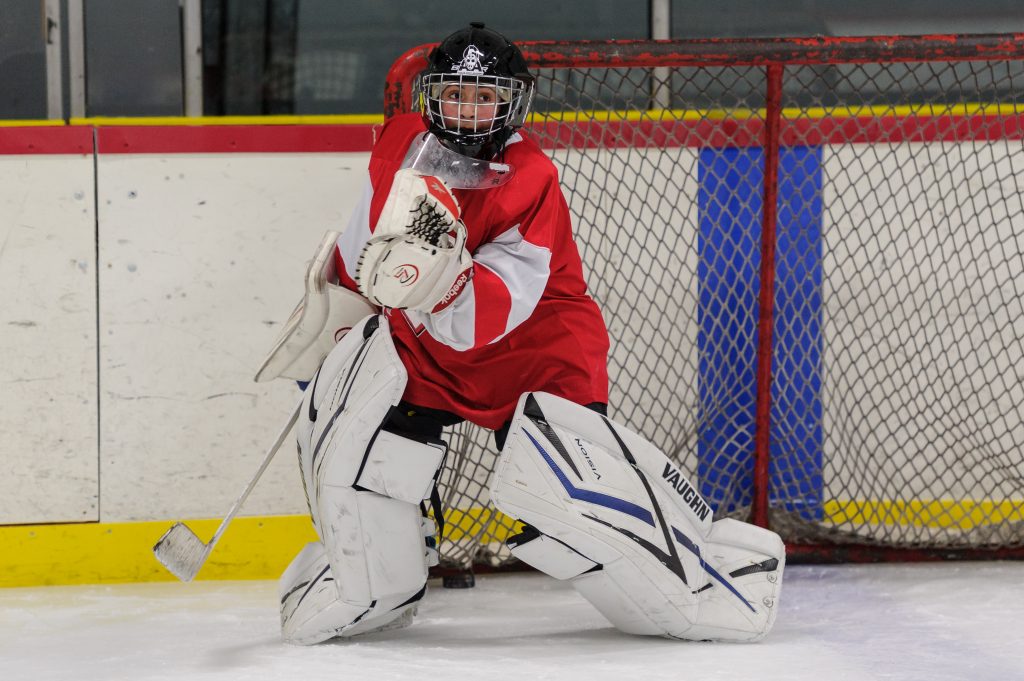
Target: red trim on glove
x,y
455,291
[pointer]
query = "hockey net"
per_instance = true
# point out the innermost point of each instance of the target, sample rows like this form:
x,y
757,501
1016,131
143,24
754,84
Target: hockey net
x,y
845,366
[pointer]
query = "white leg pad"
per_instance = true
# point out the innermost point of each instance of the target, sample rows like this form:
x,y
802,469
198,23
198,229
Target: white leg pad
x,y
741,553
364,486
549,555
621,607
311,611
374,545
608,511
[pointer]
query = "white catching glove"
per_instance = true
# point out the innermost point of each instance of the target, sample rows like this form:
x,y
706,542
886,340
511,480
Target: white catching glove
x,y
417,258
421,205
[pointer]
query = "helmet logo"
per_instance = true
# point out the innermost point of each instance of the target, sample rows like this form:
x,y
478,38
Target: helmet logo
x,y
470,61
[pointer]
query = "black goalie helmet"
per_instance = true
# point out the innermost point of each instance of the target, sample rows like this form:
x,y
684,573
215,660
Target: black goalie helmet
x,y
476,90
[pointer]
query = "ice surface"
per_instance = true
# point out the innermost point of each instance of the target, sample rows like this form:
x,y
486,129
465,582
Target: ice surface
x,y
955,621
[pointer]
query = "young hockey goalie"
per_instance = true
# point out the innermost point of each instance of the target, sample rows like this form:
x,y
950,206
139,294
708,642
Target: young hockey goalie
x,y
457,293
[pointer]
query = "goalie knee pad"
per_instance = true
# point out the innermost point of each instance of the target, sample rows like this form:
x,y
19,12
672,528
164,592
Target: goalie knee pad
x,y
364,486
608,511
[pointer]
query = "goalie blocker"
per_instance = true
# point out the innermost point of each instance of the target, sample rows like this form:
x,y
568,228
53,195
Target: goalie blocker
x,y
606,510
324,315
416,259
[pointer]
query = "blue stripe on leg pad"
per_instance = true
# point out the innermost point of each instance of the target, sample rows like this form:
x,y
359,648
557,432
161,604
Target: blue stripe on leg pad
x,y
596,498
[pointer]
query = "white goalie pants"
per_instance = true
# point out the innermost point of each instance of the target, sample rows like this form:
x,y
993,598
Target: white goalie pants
x,y
607,510
364,486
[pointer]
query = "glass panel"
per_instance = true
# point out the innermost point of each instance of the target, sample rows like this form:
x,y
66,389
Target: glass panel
x,y
759,19
331,56
133,58
22,60
836,84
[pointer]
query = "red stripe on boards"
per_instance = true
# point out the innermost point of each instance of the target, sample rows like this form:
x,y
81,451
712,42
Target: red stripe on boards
x,y
45,139
210,139
749,132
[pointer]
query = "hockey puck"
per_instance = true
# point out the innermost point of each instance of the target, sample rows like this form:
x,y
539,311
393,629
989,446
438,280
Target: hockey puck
x,y
459,580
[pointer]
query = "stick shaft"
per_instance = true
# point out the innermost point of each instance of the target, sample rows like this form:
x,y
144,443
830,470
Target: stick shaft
x,y
268,457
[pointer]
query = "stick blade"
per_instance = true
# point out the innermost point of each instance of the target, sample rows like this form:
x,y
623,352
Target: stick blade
x,y
181,552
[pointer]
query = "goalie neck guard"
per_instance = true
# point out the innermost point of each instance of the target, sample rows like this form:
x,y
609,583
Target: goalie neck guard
x,y
476,91
428,156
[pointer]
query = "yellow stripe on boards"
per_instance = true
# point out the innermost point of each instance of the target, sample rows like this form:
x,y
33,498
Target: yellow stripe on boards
x,y
485,525
961,514
99,553
339,119
95,121
251,548
31,123
788,113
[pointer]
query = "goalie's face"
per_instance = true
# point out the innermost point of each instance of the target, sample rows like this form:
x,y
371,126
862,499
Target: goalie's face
x,y
468,107
472,110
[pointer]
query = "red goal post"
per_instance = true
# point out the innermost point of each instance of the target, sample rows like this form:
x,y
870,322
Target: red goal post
x,y
810,256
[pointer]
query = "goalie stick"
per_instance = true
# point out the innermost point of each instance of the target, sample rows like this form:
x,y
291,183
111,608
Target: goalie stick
x,y
181,551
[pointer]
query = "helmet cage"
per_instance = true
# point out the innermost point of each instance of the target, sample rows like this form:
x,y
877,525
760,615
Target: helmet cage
x,y
473,122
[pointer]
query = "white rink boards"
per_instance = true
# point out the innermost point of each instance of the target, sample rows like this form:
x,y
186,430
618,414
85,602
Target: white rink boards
x,y
48,402
204,258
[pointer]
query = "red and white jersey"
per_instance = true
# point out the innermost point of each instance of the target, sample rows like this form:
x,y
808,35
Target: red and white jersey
x,y
524,322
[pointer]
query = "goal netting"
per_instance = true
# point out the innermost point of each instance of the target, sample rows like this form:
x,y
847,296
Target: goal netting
x,y
810,257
